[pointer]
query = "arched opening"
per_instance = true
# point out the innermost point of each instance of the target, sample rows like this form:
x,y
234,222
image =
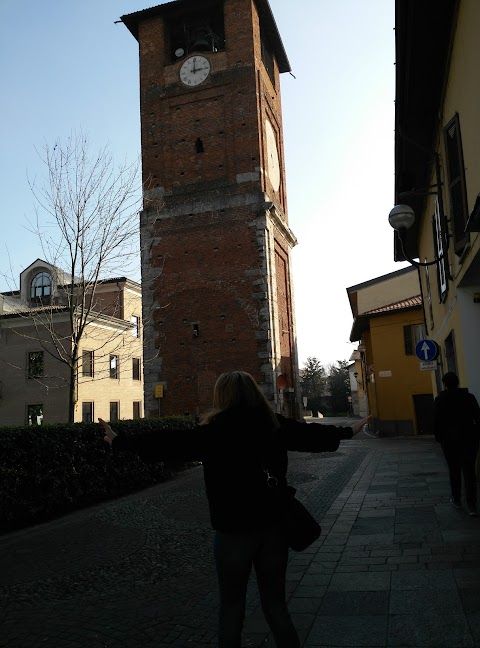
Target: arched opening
x,y
41,288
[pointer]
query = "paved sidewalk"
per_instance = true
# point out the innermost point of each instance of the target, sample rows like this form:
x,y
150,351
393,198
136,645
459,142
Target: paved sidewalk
x,y
396,565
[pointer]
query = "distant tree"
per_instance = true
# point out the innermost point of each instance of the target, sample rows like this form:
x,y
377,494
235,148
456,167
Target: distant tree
x,y
313,382
339,386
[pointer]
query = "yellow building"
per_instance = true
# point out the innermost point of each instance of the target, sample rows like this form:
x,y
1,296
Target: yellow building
x,y
388,324
437,172
36,349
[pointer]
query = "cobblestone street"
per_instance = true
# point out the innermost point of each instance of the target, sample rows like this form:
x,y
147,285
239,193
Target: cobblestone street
x,y
395,565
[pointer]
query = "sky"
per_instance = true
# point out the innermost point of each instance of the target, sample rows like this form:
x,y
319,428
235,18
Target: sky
x,y
66,65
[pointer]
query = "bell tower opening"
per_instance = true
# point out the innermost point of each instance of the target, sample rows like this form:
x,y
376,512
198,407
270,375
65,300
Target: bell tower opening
x,y
197,29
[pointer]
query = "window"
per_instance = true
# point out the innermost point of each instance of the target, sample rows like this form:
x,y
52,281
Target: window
x,y
450,352
41,288
87,363
456,183
114,366
136,368
136,409
87,412
267,58
35,414
35,364
136,326
429,295
198,30
412,334
418,334
438,238
114,410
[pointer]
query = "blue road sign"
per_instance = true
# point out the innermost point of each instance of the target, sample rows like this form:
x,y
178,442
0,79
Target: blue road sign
x,y
426,350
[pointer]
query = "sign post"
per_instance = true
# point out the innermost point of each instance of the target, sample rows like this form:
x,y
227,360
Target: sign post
x,y
426,350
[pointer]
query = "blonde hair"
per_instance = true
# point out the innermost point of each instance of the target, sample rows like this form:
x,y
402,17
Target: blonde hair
x,y
238,389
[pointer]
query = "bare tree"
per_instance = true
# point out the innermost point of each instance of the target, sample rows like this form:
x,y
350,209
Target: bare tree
x,y
87,224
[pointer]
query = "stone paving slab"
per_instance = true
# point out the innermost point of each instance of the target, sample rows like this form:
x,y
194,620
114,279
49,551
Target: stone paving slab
x,y
396,565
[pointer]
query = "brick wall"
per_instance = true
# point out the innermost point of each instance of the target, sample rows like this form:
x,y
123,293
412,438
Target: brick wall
x,y
209,266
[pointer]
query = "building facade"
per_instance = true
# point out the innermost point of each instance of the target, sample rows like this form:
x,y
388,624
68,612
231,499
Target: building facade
x,y
36,349
437,171
388,323
215,238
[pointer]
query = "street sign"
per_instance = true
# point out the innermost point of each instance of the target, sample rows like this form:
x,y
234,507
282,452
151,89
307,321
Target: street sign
x,y
428,365
426,350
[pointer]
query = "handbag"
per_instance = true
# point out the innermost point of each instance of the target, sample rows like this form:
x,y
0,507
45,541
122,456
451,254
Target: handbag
x,y
298,525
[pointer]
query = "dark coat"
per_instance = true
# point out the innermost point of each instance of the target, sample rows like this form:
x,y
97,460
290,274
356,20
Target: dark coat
x,y
236,448
456,417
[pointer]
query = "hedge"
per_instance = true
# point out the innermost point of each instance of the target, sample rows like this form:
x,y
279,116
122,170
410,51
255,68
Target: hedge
x,y
49,470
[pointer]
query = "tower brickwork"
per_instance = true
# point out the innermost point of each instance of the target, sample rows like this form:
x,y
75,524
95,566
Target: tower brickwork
x,y
215,240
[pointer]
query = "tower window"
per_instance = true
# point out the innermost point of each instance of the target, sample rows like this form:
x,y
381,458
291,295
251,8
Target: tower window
x,y
267,58
197,31
41,288
199,146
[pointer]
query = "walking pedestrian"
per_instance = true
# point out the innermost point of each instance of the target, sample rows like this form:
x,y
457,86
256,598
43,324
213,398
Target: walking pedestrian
x,y
233,442
457,428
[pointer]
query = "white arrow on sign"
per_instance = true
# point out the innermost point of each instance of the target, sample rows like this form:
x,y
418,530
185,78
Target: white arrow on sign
x,y
425,348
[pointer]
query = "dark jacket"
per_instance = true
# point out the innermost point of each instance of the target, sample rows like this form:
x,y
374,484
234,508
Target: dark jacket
x,y
236,448
456,417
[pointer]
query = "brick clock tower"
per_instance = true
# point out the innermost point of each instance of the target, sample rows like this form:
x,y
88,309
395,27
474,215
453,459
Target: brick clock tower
x,y
215,240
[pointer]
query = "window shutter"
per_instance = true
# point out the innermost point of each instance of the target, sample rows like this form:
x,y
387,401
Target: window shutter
x,y
441,265
456,183
407,339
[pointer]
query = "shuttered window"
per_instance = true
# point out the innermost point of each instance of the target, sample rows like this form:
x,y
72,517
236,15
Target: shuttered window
x,y
456,183
442,264
408,339
412,334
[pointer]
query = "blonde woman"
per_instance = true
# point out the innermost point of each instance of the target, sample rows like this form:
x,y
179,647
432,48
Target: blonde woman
x,y
242,444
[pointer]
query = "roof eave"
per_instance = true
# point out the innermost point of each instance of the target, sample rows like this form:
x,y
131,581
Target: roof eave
x,y
423,39
131,22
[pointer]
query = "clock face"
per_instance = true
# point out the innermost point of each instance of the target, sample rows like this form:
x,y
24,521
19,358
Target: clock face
x,y
273,165
194,70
